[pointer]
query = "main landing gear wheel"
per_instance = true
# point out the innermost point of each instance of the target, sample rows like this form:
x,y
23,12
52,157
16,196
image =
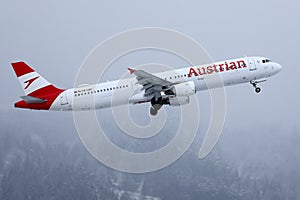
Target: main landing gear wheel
x,y
153,111
155,106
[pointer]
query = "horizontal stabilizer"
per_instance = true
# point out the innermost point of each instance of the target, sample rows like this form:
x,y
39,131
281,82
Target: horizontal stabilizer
x,y
30,99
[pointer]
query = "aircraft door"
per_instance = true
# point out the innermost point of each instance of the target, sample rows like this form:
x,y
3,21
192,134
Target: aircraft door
x,y
63,99
252,64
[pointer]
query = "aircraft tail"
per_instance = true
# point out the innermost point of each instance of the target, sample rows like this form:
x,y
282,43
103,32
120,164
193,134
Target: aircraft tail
x,y
33,84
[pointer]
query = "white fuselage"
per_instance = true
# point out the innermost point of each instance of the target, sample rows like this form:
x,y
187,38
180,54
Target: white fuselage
x,y
124,91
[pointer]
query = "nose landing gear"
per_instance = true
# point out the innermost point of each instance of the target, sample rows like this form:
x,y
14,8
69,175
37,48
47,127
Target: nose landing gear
x,y
254,84
257,89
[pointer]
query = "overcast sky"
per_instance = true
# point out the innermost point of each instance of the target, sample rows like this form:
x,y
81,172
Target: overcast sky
x,y
56,36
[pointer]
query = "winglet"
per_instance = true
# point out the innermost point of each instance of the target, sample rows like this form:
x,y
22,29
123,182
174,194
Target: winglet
x,y
131,70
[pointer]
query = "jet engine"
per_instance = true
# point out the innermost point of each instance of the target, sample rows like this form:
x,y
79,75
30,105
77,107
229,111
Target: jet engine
x,y
176,95
184,89
178,101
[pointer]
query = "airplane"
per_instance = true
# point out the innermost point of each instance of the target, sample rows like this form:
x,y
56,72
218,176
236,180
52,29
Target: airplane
x,y
172,87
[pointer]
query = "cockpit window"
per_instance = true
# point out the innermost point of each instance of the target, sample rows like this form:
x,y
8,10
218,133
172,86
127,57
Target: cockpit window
x,y
266,61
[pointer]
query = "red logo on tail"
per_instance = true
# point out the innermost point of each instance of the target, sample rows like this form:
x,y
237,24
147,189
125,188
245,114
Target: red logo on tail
x,y
30,81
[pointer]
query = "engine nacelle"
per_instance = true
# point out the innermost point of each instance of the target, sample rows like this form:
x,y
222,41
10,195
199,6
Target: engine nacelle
x,y
178,101
184,89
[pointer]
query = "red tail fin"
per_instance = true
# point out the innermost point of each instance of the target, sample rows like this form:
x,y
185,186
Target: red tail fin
x,y
34,85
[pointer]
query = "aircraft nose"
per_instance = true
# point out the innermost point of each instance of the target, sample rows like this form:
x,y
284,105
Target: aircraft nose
x,y
277,67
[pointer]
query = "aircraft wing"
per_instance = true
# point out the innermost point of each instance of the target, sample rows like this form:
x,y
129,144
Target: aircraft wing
x,y
152,84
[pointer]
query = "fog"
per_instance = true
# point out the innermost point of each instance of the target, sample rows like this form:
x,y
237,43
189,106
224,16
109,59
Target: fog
x,y
41,156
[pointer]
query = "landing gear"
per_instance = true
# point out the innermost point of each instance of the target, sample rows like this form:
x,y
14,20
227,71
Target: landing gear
x,y
254,84
153,111
155,105
257,90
